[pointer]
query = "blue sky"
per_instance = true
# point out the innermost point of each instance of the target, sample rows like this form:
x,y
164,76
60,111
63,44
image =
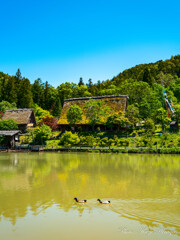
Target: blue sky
x,y
61,41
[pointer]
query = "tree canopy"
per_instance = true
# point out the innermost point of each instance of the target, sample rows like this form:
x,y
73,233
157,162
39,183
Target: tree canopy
x,y
74,115
143,84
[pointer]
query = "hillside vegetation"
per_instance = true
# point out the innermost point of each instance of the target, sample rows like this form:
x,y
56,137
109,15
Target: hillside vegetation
x,y
143,84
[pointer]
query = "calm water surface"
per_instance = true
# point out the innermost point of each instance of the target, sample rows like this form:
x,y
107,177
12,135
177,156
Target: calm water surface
x,y
37,191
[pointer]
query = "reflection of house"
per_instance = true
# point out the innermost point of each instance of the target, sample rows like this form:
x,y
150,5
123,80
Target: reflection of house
x,y
11,136
24,117
116,103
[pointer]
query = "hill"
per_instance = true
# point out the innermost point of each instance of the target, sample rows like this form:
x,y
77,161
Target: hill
x,y
143,84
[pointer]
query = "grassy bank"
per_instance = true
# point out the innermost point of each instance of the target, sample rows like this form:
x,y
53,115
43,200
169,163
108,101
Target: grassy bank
x,y
138,141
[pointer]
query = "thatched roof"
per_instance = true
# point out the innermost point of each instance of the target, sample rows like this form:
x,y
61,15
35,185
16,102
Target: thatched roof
x,y
116,102
21,116
9,133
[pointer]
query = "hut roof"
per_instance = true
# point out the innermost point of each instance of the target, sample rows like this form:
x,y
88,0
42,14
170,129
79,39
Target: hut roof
x,y
21,115
116,102
9,133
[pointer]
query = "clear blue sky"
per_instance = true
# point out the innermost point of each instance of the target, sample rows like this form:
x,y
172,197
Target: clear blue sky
x,y
61,41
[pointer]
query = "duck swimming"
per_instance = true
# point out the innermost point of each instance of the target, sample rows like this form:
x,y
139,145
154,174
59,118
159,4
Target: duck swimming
x,y
80,201
104,202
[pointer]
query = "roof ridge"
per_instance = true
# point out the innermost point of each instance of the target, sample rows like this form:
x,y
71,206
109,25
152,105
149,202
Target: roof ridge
x,y
20,109
95,97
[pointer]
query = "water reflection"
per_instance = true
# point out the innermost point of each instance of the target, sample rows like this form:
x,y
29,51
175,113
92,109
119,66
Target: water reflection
x,y
145,188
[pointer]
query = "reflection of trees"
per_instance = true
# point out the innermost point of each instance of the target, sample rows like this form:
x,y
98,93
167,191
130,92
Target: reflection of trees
x,y
40,180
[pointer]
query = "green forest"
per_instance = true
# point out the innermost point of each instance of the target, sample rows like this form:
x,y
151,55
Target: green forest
x,y
143,84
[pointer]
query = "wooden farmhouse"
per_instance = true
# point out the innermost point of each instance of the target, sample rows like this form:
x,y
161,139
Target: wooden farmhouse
x,y
116,103
24,117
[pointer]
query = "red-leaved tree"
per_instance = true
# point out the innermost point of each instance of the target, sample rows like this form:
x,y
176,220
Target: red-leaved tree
x,y
50,121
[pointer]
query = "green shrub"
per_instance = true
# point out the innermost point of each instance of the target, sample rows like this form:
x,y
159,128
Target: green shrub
x,y
41,134
10,124
68,139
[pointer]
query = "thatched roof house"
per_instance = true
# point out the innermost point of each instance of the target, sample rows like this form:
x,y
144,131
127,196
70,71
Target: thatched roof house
x,y
115,102
24,117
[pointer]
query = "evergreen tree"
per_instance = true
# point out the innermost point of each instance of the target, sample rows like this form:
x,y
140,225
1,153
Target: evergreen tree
x,y
38,92
18,74
90,84
57,108
80,82
26,99
11,91
47,104
147,77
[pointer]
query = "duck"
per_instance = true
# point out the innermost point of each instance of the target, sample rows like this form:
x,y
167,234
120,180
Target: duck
x,y
80,201
104,202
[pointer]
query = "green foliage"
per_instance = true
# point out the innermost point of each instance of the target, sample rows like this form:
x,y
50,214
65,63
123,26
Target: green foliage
x,y
149,125
96,111
142,83
68,138
132,113
25,99
74,115
3,140
40,113
4,105
117,119
41,134
8,124
177,110
89,140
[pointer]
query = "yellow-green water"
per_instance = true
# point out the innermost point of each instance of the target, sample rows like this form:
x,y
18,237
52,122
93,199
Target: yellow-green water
x,y
37,191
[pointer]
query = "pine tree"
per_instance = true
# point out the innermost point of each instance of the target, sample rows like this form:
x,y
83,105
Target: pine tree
x,y
80,82
18,74
147,77
11,91
57,107
26,99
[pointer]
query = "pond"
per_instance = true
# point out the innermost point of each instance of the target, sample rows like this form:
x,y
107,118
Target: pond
x,y
37,193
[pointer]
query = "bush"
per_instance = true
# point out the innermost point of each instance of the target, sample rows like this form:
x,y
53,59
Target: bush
x,y
124,142
3,140
8,125
68,138
41,134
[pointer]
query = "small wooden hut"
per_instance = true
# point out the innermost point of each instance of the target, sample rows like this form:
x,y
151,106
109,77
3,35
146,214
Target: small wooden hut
x,y
24,117
12,137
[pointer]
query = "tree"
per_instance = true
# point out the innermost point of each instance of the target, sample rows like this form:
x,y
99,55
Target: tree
x,y
57,108
38,92
149,125
41,134
90,83
74,115
177,110
80,82
41,113
10,124
147,77
4,105
132,113
25,95
117,119
18,74
96,112
49,121
11,90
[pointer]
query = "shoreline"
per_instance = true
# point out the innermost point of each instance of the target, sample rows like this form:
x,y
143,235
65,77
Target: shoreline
x,y
175,150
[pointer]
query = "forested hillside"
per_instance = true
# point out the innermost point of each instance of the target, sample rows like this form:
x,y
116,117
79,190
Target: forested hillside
x,y
143,83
